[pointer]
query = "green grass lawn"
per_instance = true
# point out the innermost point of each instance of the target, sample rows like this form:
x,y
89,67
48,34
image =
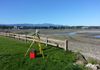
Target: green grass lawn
x,y
12,57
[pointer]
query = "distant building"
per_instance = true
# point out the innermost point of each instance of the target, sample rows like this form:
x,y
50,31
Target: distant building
x,y
85,27
15,27
18,27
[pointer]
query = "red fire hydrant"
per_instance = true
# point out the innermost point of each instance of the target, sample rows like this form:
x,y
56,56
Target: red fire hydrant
x,y
32,54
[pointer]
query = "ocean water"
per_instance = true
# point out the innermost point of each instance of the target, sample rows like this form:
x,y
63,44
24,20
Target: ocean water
x,y
97,36
72,33
67,33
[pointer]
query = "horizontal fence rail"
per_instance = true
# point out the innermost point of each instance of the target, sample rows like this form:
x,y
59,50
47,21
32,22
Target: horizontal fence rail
x,y
45,40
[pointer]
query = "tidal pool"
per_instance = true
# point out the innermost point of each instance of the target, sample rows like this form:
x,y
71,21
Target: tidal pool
x,y
72,33
97,36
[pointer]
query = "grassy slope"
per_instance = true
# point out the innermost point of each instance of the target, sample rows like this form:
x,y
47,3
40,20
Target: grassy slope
x,y
12,57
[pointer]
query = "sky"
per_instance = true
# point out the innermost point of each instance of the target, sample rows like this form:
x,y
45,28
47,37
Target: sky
x,y
62,12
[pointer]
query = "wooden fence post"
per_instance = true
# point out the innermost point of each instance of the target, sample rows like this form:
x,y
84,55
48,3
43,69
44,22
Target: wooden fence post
x,y
14,36
66,45
26,38
19,36
6,34
11,35
46,41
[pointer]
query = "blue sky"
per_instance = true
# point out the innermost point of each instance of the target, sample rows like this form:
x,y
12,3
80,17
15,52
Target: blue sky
x,y
66,12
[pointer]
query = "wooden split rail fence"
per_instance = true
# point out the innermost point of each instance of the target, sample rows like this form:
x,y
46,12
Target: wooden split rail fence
x,y
53,42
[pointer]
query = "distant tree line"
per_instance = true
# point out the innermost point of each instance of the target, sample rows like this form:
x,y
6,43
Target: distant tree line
x,y
49,27
6,27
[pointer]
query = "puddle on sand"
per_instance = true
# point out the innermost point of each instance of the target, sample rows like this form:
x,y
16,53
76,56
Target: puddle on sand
x,y
97,36
72,33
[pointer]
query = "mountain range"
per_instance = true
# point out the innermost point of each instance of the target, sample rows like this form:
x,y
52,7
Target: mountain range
x,y
27,24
